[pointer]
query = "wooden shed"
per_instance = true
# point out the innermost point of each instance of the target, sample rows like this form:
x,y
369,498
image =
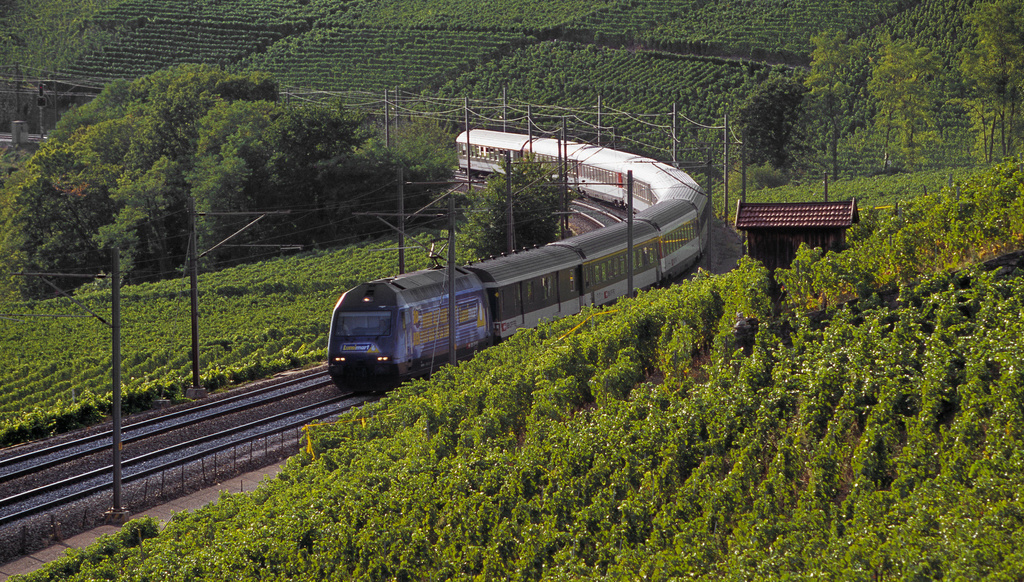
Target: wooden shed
x,y
775,230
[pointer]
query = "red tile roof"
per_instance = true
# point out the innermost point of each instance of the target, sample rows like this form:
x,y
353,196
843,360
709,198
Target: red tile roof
x,y
796,215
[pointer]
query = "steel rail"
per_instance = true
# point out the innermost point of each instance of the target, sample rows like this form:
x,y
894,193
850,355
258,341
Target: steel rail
x,y
27,495
106,435
597,210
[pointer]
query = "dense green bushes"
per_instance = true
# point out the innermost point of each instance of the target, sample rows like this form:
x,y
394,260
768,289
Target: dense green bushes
x,y
96,557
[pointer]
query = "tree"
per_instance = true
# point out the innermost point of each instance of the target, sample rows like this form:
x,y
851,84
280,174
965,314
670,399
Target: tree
x,y
771,118
833,60
995,69
902,82
55,204
120,171
262,156
536,197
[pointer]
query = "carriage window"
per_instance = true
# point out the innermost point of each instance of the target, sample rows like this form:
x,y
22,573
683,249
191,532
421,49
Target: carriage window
x,y
509,298
349,323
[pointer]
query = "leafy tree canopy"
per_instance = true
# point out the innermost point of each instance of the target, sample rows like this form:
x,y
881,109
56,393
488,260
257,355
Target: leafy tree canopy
x,y
536,197
771,118
120,171
902,82
995,70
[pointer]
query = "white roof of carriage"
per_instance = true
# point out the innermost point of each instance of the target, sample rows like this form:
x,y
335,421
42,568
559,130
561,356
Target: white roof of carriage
x,y
668,182
495,139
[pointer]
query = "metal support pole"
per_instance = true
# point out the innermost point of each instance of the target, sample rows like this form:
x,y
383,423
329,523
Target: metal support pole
x,y
453,357
675,129
725,167
387,121
563,152
401,220
629,233
504,108
825,182
398,116
598,119
469,147
115,292
196,391
743,168
509,219
117,512
529,126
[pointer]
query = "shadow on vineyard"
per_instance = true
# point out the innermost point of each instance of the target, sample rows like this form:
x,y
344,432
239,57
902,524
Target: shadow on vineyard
x,y
881,440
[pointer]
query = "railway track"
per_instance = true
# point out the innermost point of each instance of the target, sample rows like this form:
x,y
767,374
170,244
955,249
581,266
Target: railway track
x,y
57,490
15,464
590,215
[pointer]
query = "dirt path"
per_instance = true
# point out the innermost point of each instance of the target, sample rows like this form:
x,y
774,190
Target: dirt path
x,y
725,247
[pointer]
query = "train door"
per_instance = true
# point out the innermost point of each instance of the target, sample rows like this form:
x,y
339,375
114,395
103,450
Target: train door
x,y
568,291
587,284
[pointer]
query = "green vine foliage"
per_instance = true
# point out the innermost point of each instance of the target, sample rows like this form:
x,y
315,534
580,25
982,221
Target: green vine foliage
x,y
892,248
256,320
878,440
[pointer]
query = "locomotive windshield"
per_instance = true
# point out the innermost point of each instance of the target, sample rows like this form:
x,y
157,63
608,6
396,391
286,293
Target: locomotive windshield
x,y
362,323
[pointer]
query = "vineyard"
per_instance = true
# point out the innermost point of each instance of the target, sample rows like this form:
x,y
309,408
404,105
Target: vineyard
x,y
154,34
879,438
522,16
571,77
447,48
883,190
746,27
344,59
255,320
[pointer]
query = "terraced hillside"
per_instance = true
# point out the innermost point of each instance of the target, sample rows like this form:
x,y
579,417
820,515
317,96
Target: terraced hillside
x,y
342,58
140,36
426,46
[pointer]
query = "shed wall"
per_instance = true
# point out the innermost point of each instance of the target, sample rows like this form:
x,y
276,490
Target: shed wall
x,y
776,247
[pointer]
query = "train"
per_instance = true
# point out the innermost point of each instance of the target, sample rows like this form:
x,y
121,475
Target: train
x,y
386,331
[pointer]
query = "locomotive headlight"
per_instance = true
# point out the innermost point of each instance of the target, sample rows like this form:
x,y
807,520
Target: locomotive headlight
x,y
339,359
383,359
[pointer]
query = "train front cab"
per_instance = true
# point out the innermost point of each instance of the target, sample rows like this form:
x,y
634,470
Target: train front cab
x,y
363,342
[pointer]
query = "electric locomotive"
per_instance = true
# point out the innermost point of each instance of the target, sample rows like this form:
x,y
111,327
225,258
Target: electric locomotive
x,y
389,330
